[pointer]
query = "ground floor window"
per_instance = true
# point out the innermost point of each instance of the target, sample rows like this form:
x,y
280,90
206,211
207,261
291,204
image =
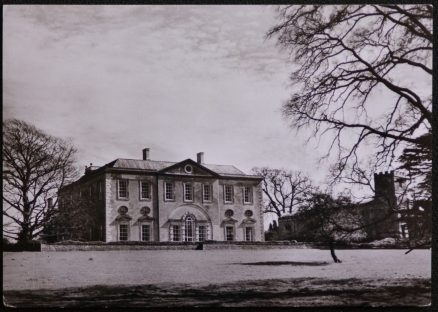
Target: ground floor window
x,y
123,232
188,229
175,233
229,233
202,233
145,232
249,233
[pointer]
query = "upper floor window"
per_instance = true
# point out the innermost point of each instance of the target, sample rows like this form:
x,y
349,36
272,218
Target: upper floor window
x,y
228,193
122,189
169,193
145,190
206,192
188,192
247,195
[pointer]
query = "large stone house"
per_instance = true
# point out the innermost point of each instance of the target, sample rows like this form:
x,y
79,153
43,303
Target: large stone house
x,y
379,215
149,200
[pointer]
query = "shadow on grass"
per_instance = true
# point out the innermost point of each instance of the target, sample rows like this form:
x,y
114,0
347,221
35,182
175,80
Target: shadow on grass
x,y
300,292
297,263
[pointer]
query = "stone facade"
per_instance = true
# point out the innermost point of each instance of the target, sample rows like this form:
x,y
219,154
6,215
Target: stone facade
x,y
146,200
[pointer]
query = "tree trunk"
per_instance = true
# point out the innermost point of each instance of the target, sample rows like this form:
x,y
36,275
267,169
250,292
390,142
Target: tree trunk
x,y
24,235
332,252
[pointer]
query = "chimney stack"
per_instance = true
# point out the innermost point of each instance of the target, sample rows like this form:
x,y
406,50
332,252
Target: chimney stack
x,y
146,154
200,158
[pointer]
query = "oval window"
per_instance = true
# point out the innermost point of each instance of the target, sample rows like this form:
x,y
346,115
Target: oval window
x,y
248,213
145,210
229,213
188,169
123,210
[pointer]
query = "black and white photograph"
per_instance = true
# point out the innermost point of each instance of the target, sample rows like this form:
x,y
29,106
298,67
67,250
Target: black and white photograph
x,y
188,155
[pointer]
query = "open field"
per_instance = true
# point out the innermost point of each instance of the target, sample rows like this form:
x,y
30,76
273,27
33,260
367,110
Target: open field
x,y
295,277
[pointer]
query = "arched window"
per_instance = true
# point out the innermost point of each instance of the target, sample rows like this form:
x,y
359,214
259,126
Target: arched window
x,y
189,229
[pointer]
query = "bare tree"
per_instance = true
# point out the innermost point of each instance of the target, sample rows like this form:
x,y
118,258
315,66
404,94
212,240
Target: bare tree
x,y
330,220
285,190
38,165
346,56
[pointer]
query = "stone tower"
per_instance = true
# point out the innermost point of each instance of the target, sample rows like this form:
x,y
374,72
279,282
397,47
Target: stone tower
x,y
384,187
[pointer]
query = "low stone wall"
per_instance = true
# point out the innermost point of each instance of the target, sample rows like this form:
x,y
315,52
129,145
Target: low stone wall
x,y
255,246
47,247
83,246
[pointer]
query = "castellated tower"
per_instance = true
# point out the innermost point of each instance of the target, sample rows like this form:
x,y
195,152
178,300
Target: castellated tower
x,y
384,187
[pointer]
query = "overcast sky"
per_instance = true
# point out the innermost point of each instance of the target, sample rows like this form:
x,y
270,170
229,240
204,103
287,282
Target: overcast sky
x,y
176,79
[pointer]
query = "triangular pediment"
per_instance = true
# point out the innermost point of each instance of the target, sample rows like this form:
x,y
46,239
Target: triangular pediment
x,y
188,167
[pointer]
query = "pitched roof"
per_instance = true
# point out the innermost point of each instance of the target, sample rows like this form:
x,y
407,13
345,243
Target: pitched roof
x,y
152,165
155,165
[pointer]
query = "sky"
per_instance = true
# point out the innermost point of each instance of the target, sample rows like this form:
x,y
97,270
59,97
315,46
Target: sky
x,y
176,79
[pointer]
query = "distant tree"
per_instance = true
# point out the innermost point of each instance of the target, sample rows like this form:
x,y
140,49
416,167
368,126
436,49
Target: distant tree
x,y
345,56
75,219
271,228
284,190
416,162
274,225
38,165
331,220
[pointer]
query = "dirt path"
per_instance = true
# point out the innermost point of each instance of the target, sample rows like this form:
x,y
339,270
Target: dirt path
x,y
274,292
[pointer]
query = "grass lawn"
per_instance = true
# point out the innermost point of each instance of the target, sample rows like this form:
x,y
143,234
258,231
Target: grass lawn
x,y
282,277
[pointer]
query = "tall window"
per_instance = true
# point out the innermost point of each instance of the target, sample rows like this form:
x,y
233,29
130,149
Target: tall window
x,y
122,188
228,190
145,190
202,233
145,232
206,192
176,233
169,193
188,192
229,233
99,185
247,195
249,234
189,229
123,232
